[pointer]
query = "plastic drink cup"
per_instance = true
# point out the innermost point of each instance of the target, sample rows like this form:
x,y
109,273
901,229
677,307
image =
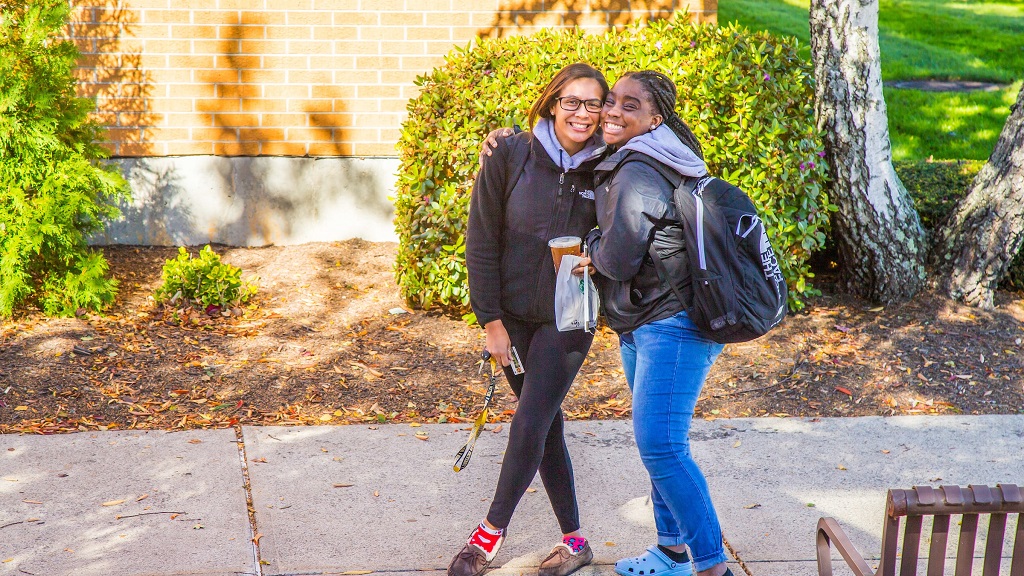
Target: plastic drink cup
x,y
564,245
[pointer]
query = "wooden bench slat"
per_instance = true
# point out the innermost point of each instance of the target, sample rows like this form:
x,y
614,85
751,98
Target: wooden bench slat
x,y
937,551
965,549
911,545
925,495
953,495
994,546
1017,568
1011,493
890,538
982,494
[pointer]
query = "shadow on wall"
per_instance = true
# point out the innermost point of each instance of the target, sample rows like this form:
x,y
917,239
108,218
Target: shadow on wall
x,y
529,13
111,73
277,178
275,175
158,213
253,201
295,200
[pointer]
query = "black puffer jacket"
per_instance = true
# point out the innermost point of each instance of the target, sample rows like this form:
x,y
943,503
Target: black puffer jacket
x,y
507,254
634,210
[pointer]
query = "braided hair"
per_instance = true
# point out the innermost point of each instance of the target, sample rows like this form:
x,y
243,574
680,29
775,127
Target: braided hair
x,y
661,94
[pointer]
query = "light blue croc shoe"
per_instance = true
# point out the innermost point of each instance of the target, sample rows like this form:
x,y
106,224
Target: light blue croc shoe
x,y
653,562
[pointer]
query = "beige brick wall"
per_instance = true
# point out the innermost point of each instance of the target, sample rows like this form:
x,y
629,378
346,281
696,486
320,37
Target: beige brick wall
x,y
294,77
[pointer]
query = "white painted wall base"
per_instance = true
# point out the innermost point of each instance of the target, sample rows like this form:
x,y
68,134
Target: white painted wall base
x,y
254,201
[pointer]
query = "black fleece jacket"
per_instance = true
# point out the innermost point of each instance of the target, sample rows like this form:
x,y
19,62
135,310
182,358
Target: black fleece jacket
x,y
511,272
635,210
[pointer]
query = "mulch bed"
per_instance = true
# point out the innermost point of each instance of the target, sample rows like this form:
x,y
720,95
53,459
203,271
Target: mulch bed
x,y
328,340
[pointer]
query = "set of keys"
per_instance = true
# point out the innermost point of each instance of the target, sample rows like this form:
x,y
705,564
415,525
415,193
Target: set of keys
x,y
466,452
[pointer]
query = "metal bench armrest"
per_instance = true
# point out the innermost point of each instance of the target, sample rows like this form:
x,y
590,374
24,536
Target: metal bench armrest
x,y
829,532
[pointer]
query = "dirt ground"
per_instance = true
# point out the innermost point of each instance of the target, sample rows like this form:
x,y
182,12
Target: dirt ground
x,y
328,340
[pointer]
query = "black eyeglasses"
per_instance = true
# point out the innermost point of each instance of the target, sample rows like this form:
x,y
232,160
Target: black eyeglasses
x,y
572,104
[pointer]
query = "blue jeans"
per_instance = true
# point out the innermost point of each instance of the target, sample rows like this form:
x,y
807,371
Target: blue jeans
x,y
665,363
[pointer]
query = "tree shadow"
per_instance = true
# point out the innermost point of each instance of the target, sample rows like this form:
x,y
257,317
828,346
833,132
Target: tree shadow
x,y
516,15
282,196
158,213
275,174
111,72
130,536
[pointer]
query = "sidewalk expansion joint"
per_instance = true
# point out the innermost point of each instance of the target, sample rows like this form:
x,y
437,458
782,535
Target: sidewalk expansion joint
x,y
250,508
736,556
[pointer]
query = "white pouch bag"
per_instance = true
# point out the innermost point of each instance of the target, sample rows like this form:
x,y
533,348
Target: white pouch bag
x,y
576,299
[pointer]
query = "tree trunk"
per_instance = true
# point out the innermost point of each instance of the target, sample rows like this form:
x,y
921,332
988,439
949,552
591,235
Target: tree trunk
x,y
975,247
878,232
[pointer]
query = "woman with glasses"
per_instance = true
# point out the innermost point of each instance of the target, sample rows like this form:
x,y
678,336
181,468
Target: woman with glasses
x,y
537,185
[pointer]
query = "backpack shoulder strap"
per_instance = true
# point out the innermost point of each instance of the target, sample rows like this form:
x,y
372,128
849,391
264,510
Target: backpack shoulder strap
x,y
682,191
663,273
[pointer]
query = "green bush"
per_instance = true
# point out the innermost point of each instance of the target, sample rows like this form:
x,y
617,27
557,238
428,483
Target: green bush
x,y
53,191
748,97
937,187
204,282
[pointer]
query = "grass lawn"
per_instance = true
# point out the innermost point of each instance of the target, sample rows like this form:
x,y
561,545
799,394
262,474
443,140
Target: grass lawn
x,y
977,40
946,125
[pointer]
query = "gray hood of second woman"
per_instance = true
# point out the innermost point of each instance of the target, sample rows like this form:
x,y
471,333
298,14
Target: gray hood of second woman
x,y
663,145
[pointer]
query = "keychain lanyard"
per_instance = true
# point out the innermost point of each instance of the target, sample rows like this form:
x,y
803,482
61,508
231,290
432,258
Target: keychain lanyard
x,y
466,452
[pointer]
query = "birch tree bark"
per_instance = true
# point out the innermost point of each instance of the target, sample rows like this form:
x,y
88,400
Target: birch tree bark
x,y
881,242
973,250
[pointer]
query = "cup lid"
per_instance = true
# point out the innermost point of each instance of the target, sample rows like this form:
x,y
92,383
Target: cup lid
x,y
565,241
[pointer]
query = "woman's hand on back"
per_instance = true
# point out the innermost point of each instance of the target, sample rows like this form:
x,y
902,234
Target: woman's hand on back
x,y
491,141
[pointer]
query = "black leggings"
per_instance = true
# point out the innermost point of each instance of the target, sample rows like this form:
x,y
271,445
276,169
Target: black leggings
x,y
535,441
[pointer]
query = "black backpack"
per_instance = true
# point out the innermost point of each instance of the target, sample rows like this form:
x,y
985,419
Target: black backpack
x,y
739,293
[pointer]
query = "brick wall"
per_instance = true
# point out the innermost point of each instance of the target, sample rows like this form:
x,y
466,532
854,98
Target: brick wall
x,y
294,77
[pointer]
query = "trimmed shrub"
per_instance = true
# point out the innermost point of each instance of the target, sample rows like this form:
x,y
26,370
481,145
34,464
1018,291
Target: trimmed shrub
x,y
747,95
205,282
937,187
53,191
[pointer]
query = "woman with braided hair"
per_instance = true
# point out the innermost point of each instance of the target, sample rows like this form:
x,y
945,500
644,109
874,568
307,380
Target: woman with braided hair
x,y
664,355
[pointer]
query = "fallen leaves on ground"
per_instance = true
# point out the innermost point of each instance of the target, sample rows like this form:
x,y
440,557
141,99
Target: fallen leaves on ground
x,y
328,341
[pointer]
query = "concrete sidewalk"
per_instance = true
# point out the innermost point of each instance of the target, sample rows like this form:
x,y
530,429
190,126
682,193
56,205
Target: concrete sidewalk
x,y
359,499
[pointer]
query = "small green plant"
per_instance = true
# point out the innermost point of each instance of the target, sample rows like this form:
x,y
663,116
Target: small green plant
x,y
204,282
747,95
54,192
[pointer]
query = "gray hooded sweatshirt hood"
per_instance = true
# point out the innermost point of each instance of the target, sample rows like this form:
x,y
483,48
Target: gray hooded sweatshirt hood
x,y
544,131
663,145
